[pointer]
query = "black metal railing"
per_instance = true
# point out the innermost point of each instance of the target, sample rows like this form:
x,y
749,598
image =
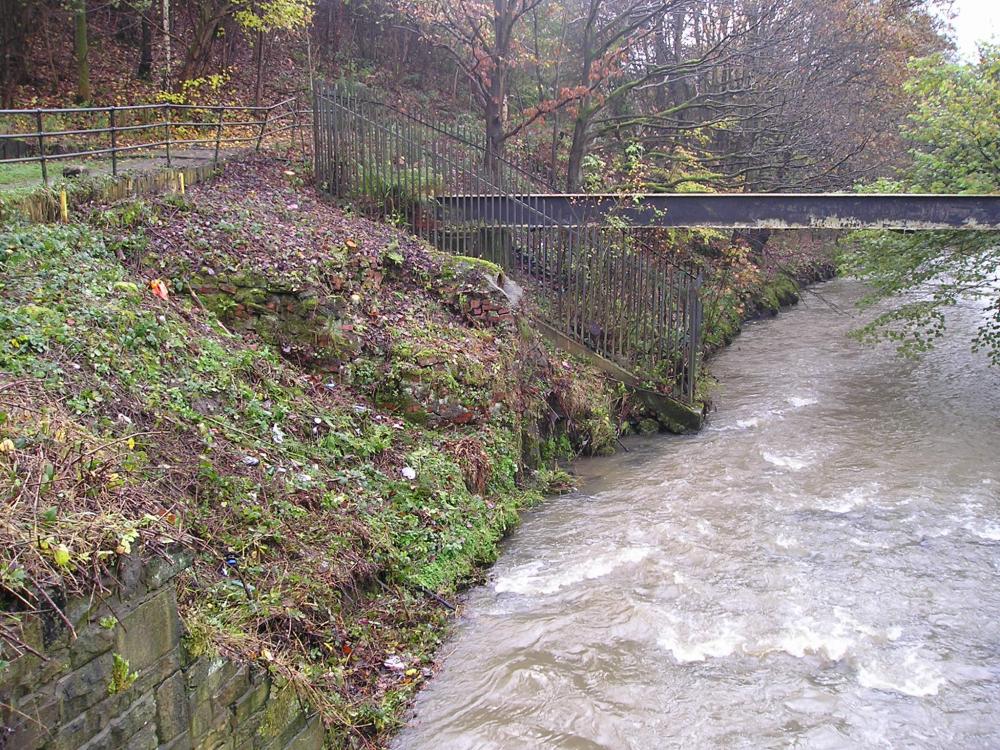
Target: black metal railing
x,y
610,287
160,130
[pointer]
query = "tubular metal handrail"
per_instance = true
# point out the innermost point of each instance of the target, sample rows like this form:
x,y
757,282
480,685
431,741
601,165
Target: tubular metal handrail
x,y
43,146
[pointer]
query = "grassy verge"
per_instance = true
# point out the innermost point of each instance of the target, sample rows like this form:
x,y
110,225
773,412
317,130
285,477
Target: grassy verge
x,y
297,395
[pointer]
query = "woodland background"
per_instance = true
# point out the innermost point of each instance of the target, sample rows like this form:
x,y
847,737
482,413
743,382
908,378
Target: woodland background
x,y
660,95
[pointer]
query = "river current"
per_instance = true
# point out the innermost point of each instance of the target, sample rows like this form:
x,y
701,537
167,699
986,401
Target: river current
x,y
818,568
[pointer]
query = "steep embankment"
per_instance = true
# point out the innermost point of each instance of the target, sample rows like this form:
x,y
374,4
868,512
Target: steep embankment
x,y
339,422
743,284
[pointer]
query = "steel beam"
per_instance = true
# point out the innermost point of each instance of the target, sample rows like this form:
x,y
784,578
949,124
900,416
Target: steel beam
x,y
733,211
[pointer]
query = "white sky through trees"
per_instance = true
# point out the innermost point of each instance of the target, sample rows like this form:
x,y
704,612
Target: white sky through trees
x,y
975,21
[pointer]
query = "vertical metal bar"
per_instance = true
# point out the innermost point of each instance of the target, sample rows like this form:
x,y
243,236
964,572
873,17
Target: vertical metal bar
x,y
323,136
640,299
167,139
300,125
267,112
114,142
367,159
350,124
435,171
41,146
583,261
608,284
218,137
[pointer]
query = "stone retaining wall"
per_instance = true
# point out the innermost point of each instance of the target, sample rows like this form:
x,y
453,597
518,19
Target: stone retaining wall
x,y
127,681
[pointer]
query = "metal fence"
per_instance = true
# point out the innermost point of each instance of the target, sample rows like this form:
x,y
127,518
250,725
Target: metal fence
x,y
44,136
612,288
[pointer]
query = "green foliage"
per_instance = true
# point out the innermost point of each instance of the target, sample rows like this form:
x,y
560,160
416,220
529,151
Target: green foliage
x,y
122,677
272,15
956,136
398,190
299,478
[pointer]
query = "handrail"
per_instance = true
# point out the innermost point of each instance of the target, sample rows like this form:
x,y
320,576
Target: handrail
x,y
604,286
264,120
138,107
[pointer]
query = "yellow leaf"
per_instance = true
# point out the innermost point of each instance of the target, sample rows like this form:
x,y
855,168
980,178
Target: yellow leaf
x,y
6,445
61,556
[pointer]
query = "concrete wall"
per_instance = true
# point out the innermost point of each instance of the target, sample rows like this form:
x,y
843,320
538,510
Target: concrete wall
x,y
81,693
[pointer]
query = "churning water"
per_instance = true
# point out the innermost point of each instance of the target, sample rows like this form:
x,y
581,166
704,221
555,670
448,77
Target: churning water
x,y
819,568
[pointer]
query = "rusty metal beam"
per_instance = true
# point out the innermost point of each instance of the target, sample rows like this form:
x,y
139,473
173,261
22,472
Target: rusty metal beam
x,y
733,211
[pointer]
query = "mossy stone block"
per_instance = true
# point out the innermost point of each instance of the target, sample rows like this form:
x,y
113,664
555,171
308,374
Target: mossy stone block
x,y
172,716
150,630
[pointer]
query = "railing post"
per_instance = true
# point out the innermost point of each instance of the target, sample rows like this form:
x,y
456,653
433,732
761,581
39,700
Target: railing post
x,y
218,137
315,124
167,127
263,127
114,142
41,147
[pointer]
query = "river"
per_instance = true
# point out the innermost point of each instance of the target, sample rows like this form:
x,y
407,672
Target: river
x,y
818,568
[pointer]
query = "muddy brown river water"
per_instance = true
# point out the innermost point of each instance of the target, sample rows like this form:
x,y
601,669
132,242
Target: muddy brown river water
x,y
819,568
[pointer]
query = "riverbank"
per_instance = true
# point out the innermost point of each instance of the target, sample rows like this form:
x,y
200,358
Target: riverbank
x,y
744,284
337,422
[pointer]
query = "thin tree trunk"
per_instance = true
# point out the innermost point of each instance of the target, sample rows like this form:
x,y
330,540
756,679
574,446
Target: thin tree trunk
x,y
167,51
53,73
258,88
145,69
80,50
577,150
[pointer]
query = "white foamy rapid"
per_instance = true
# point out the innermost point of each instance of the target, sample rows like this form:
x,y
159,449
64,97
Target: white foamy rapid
x,y
819,568
688,647
542,578
786,462
799,401
910,675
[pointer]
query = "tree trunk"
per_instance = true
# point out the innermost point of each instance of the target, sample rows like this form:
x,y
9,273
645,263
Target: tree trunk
x,y
581,123
145,70
496,94
494,138
13,37
80,51
210,15
258,89
577,150
167,50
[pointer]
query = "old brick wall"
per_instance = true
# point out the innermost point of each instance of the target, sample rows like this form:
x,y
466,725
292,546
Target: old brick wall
x,y
126,681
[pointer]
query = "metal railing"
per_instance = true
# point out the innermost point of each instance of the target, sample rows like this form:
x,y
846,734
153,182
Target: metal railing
x,y
44,136
612,288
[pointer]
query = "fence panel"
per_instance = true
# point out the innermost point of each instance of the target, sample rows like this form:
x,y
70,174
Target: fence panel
x,y
48,136
611,288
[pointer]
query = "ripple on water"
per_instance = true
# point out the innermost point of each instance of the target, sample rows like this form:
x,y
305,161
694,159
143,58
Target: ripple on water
x,y
539,577
819,568
910,674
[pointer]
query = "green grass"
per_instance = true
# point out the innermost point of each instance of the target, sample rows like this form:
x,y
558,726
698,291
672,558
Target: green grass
x,y
144,417
22,178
